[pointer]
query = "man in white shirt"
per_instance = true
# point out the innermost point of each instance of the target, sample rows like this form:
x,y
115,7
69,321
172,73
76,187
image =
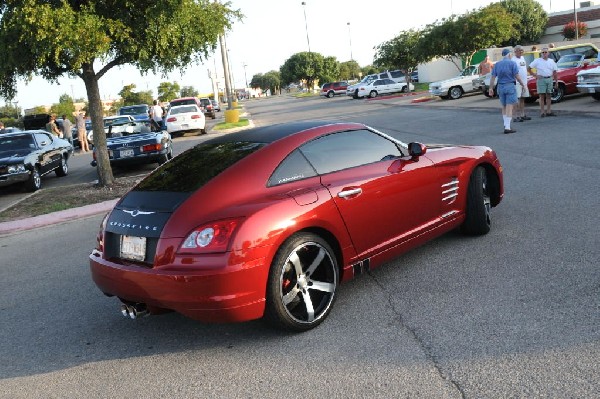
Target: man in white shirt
x,y
522,91
157,114
546,76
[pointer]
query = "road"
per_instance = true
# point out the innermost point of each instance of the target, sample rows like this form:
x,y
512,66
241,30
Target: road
x,y
514,313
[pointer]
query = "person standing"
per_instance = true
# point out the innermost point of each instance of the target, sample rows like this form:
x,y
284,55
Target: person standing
x,y
52,128
2,129
66,128
485,66
156,115
506,72
522,91
81,132
546,76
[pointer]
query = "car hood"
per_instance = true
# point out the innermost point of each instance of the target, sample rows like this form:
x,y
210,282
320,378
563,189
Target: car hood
x,y
455,79
590,71
13,156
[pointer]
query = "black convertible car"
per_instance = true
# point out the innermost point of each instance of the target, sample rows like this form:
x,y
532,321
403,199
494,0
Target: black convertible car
x,y
27,156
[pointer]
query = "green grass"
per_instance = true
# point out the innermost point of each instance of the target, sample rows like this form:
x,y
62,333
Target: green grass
x,y
421,86
224,126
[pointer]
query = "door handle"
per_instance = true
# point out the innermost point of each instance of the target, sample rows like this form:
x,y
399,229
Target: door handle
x,y
349,193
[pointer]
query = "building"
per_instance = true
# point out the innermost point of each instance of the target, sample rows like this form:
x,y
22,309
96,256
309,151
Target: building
x,y
587,12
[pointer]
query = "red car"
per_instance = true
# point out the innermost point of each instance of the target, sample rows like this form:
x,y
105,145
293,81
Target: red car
x,y
568,66
269,221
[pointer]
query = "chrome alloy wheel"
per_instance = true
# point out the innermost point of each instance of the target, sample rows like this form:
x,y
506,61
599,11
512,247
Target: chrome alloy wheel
x,y
487,202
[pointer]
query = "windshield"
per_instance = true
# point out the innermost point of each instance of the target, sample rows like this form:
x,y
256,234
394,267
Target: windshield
x,y
116,122
469,71
198,165
137,110
569,61
15,143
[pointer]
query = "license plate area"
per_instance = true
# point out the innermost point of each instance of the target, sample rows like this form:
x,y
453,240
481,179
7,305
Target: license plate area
x,y
133,248
126,153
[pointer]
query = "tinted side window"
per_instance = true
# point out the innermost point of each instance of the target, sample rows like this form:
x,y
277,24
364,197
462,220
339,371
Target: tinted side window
x,y
327,85
294,167
397,74
345,150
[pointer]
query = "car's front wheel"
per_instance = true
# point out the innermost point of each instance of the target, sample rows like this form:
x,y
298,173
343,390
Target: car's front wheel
x,y
330,94
302,283
35,180
479,204
455,92
63,169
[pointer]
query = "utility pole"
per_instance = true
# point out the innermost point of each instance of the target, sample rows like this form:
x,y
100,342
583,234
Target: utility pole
x,y
226,72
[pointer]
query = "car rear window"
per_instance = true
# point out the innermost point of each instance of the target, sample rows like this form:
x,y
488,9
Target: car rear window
x,y
183,102
193,168
183,109
142,109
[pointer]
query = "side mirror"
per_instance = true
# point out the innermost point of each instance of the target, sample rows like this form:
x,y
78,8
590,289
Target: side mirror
x,y
415,150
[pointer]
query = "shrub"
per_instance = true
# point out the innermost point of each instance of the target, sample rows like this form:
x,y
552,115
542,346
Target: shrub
x,y
568,30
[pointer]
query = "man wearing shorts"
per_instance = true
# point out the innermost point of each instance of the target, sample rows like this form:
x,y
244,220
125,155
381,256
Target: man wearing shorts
x,y
546,79
507,74
522,91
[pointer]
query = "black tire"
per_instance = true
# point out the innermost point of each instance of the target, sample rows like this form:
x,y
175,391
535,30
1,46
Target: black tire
x,y
530,100
558,94
404,89
455,92
486,93
203,131
330,94
355,96
372,94
63,169
478,220
302,283
35,180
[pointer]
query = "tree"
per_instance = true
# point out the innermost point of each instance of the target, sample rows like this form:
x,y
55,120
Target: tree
x,y
302,67
87,38
188,91
531,20
401,53
272,81
460,37
349,70
64,106
330,70
131,97
569,32
168,91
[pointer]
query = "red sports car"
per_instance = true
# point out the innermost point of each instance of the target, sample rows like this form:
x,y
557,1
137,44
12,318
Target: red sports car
x,y
269,221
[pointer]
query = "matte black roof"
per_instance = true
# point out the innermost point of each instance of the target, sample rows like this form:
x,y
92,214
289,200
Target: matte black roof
x,y
269,134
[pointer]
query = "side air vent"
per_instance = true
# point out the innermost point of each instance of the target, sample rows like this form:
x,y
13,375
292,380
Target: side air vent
x,y
450,191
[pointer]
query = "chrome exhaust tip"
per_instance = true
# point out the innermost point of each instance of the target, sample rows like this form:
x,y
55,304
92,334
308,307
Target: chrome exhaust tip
x,y
124,310
134,311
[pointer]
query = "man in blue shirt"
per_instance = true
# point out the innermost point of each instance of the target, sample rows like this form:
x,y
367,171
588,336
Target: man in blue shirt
x,y
506,73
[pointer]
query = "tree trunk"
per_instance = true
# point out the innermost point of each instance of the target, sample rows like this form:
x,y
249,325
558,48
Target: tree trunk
x,y
105,175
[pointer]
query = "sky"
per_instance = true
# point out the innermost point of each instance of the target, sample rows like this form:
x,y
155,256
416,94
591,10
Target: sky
x,y
273,30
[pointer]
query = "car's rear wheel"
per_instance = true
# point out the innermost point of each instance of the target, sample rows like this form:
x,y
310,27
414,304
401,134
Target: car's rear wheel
x,y
330,94
63,169
479,204
558,94
35,180
302,283
455,92
404,89
372,94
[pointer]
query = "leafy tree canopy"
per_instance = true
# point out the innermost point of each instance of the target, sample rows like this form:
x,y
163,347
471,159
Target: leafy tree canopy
x,y
531,20
302,66
270,80
86,38
168,91
64,106
401,52
349,70
188,91
131,97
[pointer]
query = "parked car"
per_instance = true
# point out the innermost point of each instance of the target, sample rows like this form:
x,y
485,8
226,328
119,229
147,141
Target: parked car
x,y
267,223
382,87
185,118
186,101
414,76
118,125
26,156
568,67
588,81
133,142
454,88
396,76
588,50
10,129
216,105
209,111
333,88
139,112
483,83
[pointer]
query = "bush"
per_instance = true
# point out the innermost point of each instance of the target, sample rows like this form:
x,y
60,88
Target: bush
x,y
568,30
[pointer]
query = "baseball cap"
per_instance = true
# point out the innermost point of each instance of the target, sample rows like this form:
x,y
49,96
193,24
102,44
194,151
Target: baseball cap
x,y
506,51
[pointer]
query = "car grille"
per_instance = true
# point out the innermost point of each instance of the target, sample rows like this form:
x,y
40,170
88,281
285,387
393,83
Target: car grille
x,y
590,78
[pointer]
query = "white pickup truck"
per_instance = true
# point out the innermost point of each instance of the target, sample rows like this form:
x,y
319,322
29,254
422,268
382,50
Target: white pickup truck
x,y
455,87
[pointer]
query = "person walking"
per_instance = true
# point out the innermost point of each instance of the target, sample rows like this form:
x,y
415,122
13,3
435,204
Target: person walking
x,y
52,128
66,128
81,132
546,76
506,72
156,113
522,91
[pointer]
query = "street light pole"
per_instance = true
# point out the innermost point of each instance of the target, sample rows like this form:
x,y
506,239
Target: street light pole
x,y
245,76
350,37
576,27
308,42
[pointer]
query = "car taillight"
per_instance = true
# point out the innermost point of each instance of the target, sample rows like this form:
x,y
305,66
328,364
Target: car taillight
x,y
171,119
152,147
100,236
196,116
211,237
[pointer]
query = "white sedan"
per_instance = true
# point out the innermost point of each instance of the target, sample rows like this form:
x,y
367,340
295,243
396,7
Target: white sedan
x,y
381,87
185,118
